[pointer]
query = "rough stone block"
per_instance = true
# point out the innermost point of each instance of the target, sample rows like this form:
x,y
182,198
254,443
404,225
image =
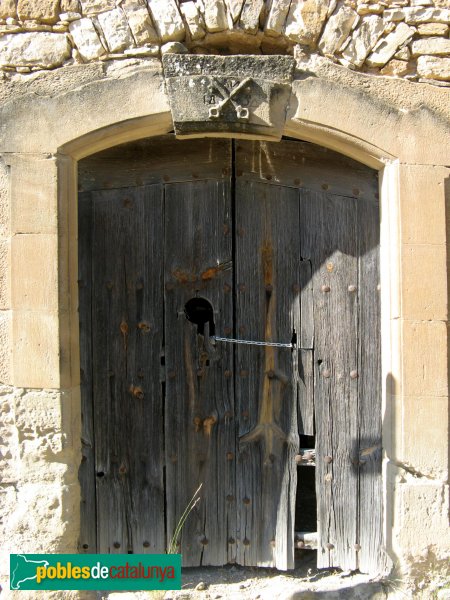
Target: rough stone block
x,y
115,28
277,16
423,204
432,67
86,39
388,46
140,24
234,8
215,15
424,358
167,20
398,68
424,282
250,15
8,9
337,29
305,20
5,274
5,224
422,525
70,6
363,40
194,20
44,49
431,46
433,29
34,194
35,272
36,349
46,11
5,347
414,16
425,419
94,7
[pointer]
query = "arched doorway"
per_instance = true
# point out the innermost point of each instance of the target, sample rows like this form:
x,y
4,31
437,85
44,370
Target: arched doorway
x,y
267,242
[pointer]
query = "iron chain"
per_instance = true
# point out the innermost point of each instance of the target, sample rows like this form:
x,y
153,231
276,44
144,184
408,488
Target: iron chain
x,y
251,342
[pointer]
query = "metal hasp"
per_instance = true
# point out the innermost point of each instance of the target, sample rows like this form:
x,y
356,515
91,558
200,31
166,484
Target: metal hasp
x,y
228,95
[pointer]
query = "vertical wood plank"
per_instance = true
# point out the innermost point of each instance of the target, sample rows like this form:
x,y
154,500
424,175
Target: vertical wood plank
x,y
372,556
88,517
267,309
329,238
200,420
305,392
127,337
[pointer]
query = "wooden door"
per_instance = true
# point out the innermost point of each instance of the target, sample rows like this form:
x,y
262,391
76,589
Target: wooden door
x,y
180,241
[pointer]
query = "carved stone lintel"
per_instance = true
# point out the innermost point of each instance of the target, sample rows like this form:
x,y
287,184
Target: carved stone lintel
x,y
227,96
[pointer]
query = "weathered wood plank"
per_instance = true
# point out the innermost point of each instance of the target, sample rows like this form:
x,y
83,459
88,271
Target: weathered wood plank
x,y
267,308
305,165
372,556
127,339
200,419
88,533
329,237
155,160
306,392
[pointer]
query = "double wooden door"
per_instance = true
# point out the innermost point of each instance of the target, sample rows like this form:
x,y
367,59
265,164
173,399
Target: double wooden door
x,y
180,241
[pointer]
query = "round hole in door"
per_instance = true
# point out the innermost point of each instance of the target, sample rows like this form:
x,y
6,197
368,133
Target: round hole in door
x,y
200,311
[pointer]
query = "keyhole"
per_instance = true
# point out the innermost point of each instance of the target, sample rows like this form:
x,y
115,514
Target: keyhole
x,y
200,311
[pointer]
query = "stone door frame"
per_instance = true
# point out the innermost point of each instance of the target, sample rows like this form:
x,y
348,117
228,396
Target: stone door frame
x,y
407,149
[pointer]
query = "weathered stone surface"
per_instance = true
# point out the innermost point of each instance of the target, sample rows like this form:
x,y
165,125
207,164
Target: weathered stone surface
x,y
414,16
167,20
140,23
215,15
432,67
398,68
45,50
369,9
116,31
70,6
277,16
250,15
363,40
245,95
433,29
194,20
234,8
174,48
337,29
149,50
8,8
432,45
305,20
93,7
86,39
388,46
403,54
46,11
69,16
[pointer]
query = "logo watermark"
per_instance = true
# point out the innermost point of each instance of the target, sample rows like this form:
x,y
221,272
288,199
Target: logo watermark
x,y
95,571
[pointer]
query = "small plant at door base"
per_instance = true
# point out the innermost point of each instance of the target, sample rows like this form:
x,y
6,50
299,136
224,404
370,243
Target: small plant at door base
x,y
173,545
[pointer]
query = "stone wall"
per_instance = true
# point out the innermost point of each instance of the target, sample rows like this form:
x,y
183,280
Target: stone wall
x,y
399,38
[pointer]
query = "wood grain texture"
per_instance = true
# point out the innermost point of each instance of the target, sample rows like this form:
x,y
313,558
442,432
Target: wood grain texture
x,y
304,165
200,420
88,516
267,308
127,336
156,160
372,555
329,237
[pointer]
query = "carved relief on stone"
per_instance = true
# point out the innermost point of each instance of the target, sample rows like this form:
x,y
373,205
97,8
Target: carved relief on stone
x,y
228,95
